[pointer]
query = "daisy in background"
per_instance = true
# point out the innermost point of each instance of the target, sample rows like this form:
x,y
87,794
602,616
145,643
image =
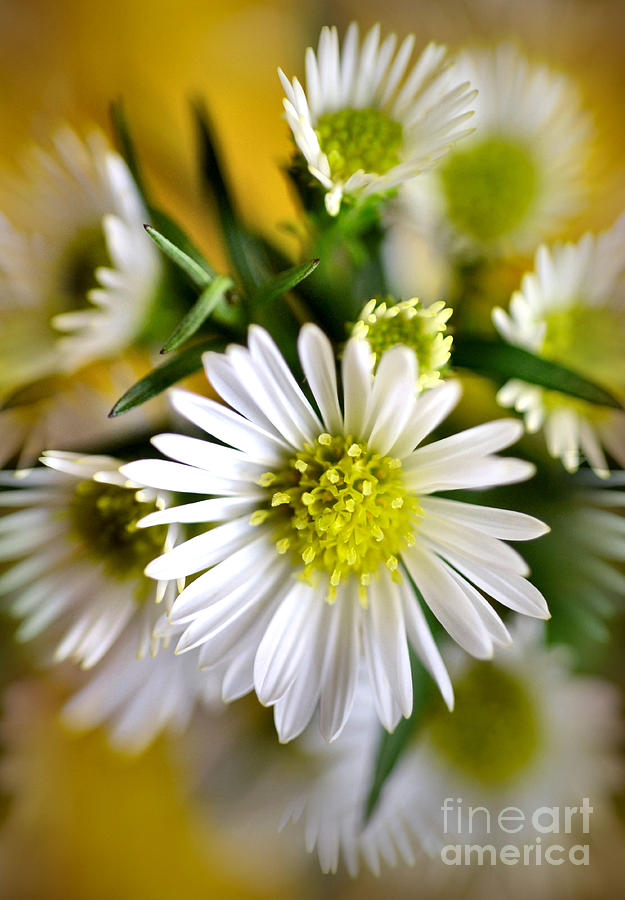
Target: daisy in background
x,y
526,733
73,573
367,122
407,322
78,277
320,520
517,180
571,310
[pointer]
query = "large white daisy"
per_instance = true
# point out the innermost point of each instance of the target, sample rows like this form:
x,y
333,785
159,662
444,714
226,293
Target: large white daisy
x,y
366,122
78,276
571,310
321,522
526,733
520,177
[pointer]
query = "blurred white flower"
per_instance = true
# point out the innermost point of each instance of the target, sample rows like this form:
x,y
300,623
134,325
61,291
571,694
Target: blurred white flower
x,y
78,276
366,123
571,310
526,733
321,522
74,562
517,180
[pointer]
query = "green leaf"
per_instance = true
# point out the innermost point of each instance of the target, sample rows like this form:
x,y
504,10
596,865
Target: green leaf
x,y
245,251
206,303
392,746
283,282
503,361
159,379
200,273
126,145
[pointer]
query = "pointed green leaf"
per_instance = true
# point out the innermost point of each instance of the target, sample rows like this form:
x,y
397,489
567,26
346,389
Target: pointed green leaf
x,y
503,361
159,379
392,746
245,251
199,272
126,145
283,282
206,303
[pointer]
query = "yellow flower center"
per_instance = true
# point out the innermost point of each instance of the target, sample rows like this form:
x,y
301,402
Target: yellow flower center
x,y
490,186
85,253
420,328
590,340
342,510
104,517
355,139
493,735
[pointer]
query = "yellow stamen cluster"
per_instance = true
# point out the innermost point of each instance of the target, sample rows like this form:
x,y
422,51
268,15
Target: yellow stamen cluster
x,y
104,517
494,734
342,510
421,328
359,139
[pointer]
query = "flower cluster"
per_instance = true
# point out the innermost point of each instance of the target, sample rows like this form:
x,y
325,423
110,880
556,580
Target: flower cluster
x,y
311,523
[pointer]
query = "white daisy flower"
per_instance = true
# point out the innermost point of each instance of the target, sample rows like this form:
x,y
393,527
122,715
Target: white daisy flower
x,y
76,557
366,123
321,520
75,575
525,733
521,176
78,276
571,310
421,328
78,271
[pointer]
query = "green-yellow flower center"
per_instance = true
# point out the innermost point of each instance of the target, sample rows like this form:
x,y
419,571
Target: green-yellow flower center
x,y
420,328
104,517
86,252
590,340
355,139
341,510
493,735
490,186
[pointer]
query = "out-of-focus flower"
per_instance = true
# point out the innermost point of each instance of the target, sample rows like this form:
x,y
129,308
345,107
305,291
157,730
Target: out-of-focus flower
x,y
76,575
520,176
526,734
323,518
77,556
78,275
137,696
571,310
365,123
422,329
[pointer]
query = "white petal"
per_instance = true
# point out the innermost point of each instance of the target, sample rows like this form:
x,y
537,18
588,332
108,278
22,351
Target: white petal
x,y
229,463
202,551
317,358
340,668
509,589
229,427
386,621
356,385
448,602
420,637
280,651
501,523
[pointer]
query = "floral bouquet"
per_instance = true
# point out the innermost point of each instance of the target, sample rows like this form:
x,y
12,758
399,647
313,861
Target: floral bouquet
x,y
291,476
